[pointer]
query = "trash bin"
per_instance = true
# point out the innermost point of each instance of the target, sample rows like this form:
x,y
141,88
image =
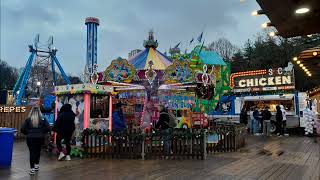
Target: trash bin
x,y
6,141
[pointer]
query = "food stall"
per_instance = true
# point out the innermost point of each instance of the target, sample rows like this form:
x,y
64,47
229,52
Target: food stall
x,y
268,88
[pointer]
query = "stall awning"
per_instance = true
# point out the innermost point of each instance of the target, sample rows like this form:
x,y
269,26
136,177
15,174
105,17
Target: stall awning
x,y
267,97
287,22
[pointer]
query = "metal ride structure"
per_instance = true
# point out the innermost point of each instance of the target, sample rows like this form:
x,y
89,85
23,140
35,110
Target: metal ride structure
x,y
41,62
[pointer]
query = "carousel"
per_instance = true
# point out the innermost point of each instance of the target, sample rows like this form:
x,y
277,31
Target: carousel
x,y
190,85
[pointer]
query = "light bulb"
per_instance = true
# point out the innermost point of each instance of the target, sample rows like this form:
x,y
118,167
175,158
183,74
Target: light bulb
x,y
298,62
272,34
315,53
302,10
254,13
295,59
264,25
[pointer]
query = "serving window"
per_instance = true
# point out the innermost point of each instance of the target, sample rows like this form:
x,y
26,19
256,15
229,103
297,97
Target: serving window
x,y
99,107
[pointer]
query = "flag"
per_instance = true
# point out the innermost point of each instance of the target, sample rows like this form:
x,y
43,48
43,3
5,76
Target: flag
x,y
177,45
191,41
200,37
201,47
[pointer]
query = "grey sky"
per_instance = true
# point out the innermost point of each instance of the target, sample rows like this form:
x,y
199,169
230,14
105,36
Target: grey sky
x,y
123,26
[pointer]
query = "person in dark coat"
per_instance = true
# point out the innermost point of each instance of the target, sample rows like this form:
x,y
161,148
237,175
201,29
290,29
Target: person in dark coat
x,y
163,126
118,120
163,122
279,119
35,127
64,126
244,116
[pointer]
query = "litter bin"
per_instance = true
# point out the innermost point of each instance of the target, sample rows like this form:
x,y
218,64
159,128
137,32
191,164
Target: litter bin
x,y
6,141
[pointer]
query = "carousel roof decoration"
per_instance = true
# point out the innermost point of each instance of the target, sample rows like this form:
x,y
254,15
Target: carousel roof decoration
x,y
150,53
150,74
83,88
179,71
120,71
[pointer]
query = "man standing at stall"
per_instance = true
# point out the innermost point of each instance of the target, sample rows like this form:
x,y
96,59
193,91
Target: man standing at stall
x,y
266,116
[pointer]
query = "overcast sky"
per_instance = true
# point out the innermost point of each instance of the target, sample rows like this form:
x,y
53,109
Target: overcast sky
x,y
124,25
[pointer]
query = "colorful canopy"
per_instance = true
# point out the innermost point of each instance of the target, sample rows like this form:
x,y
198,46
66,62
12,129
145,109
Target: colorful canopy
x,y
141,60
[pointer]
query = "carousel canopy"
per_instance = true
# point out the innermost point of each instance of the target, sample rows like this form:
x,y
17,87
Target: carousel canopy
x,y
211,58
141,60
150,53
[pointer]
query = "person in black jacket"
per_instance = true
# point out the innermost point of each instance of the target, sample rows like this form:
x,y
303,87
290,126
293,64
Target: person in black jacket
x,y
35,127
244,116
163,122
163,126
279,119
64,126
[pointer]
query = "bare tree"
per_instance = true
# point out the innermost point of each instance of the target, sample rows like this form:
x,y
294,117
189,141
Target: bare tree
x,y
224,48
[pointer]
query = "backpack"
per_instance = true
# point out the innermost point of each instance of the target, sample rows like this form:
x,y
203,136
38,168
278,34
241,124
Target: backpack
x,y
172,120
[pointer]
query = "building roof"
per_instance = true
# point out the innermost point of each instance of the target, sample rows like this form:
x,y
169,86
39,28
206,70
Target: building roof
x,y
211,58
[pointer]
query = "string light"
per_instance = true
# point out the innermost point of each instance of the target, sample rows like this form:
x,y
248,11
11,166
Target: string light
x,y
301,65
314,53
295,58
257,12
272,34
298,62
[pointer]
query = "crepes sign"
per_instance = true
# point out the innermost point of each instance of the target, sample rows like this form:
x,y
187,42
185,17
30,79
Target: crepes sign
x,y
263,80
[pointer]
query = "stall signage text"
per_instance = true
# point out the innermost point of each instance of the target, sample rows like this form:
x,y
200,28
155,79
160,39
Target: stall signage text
x,y
12,109
269,80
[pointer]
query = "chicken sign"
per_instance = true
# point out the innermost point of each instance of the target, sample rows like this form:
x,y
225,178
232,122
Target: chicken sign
x,y
263,80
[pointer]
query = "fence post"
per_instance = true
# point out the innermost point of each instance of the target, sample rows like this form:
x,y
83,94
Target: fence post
x,y
204,145
191,131
142,149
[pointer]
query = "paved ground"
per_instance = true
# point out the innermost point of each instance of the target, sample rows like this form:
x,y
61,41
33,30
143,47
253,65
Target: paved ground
x,y
260,159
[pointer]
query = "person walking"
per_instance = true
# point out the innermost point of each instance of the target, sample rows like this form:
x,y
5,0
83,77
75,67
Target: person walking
x,y
266,116
163,126
279,119
64,126
35,127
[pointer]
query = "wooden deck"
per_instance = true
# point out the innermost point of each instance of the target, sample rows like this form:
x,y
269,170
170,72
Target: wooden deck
x,y
263,158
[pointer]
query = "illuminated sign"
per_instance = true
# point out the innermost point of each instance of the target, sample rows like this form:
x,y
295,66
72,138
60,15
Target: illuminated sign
x,y
263,80
12,109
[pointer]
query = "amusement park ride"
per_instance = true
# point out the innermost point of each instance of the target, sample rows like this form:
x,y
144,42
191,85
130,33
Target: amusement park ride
x,y
41,57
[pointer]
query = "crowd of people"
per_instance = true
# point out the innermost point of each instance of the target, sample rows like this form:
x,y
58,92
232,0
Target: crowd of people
x,y
259,122
36,128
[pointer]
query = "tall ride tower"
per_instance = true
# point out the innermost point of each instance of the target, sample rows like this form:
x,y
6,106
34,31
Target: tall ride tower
x,y
92,24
